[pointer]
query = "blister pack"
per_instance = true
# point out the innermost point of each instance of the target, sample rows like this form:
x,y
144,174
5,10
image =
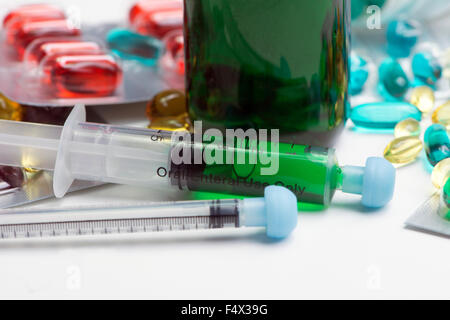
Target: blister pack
x,y
48,58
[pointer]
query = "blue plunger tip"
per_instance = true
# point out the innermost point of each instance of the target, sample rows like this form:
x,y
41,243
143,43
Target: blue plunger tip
x,y
281,212
378,183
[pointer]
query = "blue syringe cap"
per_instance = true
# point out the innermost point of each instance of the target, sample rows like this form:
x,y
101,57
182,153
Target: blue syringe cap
x,y
281,212
378,183
375,182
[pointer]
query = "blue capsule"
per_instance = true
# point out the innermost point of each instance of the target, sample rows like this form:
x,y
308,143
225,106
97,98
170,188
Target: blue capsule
x,y
437,144
359,73
133,46
402,36
426,68
393,82
383,115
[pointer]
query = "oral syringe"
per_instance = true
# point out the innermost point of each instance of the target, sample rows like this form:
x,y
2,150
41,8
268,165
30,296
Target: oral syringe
x,y
125,155
277,212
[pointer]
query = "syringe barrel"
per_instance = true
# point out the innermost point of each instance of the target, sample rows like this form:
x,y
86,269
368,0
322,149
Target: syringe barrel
x,y
28,144
192,162
311,173
119,154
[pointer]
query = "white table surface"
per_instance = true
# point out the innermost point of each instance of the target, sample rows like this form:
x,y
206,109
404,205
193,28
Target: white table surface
x,y
343,252
340,253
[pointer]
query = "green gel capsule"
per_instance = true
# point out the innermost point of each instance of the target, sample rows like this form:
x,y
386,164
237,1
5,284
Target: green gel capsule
x,y
437,144
133,46
384,115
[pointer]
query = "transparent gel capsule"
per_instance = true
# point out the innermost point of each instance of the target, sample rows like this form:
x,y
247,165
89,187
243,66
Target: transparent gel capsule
x,y
407,128
437,144
393,82
402,36
442,115
10,110
133,46
423,98
426,67
444,203
441,173
359,74
403,150
168,111
384,115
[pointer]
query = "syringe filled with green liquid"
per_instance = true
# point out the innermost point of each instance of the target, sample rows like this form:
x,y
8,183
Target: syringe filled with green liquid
x,y
154,158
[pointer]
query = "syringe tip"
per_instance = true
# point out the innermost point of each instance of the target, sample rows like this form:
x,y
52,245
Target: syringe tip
x,y
375,182
379,183
281,212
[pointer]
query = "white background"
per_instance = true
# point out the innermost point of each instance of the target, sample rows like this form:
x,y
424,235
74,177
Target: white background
x,y
343,252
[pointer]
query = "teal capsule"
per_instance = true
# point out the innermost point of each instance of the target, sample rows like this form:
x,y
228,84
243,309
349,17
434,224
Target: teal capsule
x,y
133,46
437,144
402,36
384,115
426,67
359,73
393,82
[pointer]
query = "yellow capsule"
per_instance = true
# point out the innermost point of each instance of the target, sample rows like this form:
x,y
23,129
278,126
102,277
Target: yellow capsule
x,y
407,128
446,73
441,173
10,110
181,122
403,150
442,115
423,98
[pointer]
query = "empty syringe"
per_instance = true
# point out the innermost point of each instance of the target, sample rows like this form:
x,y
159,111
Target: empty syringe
x,y
277,211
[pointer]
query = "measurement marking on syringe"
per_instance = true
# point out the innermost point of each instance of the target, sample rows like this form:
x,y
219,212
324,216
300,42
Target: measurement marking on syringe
x,y
92,227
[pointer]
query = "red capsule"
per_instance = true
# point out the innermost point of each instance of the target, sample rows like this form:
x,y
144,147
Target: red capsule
x,y
30,31
83,75
145,6
134,11
157,17
44,49
34,12
175,48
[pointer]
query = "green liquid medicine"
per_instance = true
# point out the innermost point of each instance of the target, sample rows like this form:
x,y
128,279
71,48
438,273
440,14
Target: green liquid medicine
x,y
247,168
312,174
269,64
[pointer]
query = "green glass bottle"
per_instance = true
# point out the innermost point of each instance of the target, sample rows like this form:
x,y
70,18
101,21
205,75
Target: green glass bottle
x,y
269,64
